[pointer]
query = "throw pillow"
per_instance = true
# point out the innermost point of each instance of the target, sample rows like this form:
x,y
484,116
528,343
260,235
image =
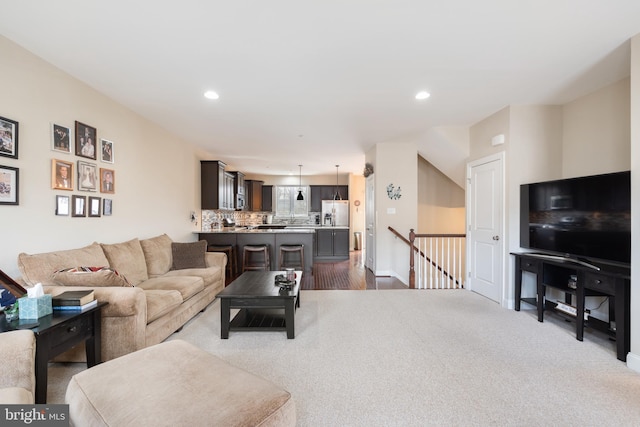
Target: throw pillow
x,y
189,255
128,259
89,276
157,254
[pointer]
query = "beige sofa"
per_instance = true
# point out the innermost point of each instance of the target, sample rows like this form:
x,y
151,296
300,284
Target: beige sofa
x,y
17,374
149,296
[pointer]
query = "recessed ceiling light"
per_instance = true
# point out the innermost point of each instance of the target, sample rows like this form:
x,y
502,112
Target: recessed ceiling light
x,y
422,95
211,95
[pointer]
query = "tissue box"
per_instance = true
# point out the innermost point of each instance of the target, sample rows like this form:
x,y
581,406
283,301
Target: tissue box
x,y
33,308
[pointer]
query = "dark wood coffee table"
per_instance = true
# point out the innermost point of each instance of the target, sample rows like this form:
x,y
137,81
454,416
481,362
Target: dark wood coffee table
x,y
263,305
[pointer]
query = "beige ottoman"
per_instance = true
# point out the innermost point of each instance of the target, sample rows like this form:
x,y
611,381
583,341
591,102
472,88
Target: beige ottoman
x,y
175,384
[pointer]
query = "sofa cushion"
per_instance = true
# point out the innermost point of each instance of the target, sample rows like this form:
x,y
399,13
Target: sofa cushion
x,y
38,268
128,259
188,286
16,396
188,255
89,276
209,275
160,302
157,254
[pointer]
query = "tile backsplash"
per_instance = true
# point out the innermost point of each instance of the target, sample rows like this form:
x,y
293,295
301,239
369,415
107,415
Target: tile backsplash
x,y
241,218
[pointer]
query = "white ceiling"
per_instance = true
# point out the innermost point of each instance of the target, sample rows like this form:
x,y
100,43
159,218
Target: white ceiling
x,y
319,83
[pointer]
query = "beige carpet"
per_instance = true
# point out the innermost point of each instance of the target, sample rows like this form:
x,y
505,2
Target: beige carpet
x,y
414,358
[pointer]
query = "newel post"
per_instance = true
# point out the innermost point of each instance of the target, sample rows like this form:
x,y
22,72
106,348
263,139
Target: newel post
x,y
412,273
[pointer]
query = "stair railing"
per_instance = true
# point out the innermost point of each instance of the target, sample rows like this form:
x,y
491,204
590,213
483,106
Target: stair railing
x,y
440,263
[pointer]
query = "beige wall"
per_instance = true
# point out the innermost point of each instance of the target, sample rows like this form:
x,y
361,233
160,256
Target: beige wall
x,y
395,163
157,174
440,202
596,132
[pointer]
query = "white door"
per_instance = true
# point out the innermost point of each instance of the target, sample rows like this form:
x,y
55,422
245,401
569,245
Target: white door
x,y
370,221
485,219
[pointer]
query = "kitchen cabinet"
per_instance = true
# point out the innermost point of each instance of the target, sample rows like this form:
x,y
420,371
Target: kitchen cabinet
x,y
238,190
325,192
253,194
267,198
212,181
332,244
216,185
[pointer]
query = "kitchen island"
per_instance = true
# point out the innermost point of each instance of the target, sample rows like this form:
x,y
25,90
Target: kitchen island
x,y
242,236
321,243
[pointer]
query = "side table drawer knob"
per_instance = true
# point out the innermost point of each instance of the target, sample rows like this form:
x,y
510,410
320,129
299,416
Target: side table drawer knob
x,y
72,329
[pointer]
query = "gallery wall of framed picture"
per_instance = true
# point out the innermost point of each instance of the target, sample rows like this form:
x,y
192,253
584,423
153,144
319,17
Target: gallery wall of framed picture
x,y
67,174
82,175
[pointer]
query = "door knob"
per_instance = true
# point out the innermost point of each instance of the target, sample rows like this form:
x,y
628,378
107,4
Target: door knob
x,y
496,237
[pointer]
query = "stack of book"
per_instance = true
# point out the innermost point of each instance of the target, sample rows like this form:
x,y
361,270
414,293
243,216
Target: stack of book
x,y
74,301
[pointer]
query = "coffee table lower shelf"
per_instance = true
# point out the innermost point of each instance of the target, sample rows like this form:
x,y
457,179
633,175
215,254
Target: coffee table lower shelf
x,y
251,319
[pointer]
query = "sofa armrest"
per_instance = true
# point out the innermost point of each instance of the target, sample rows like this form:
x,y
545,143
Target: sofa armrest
x,y
18,355
123,301
216,259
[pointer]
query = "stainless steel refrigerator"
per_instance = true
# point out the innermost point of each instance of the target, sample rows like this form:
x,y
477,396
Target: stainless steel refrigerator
x,y
336,212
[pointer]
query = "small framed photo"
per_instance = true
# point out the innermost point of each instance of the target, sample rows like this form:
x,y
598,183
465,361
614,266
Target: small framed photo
x,y
61,175
94,206
79,205
62,205
87,176
9,185
60,138
13,287
106,151
107,181
8,138
85,141
106,207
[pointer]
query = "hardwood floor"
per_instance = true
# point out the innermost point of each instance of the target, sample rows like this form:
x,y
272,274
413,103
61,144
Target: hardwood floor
x,y
348,275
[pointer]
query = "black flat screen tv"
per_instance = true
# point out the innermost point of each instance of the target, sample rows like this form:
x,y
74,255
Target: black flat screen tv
x,y
586,218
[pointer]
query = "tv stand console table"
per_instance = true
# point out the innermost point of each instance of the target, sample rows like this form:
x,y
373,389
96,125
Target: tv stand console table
x,y
592,280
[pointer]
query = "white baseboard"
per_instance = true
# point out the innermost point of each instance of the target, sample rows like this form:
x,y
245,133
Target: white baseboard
x,y
633,362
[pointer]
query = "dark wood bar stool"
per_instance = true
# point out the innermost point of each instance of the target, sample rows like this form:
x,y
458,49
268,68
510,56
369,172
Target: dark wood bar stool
x,y
256,257
291,256
232,261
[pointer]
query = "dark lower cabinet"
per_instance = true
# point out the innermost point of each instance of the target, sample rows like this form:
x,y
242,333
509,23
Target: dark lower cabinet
x,y
332,244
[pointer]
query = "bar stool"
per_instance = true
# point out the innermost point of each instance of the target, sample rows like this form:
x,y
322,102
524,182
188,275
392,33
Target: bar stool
x,y
232,261
251,259
295,258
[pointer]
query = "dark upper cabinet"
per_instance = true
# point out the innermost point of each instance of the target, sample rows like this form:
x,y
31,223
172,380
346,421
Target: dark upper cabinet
x,y
253,194
267,198
326,192
212,180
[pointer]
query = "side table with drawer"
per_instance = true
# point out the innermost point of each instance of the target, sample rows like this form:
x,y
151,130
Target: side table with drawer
x,y
61,331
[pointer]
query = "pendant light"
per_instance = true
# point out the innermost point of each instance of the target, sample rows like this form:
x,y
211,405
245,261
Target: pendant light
x,y
337,195
300,196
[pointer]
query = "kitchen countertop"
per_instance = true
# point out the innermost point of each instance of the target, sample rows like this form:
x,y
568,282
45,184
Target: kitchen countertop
x,y
287,229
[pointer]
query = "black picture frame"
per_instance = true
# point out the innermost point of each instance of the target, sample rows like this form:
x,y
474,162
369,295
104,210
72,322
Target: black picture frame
x,y
94,207
86,144
62,205
78,206
107,206
9,185
8,138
